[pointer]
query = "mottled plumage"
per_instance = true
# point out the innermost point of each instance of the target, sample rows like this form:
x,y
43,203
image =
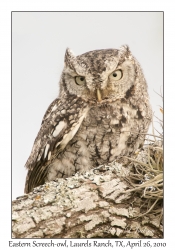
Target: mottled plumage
x,y
100,115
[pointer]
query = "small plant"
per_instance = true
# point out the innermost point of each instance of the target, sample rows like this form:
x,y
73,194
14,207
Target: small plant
x,y
147,177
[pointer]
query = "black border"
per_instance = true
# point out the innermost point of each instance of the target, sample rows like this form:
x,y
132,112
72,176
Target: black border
x,y
12,126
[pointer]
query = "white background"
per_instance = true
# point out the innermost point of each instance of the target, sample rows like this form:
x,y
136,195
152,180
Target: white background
x,y
5,94
39,41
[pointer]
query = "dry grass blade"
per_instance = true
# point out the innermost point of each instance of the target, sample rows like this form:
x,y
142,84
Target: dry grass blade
x,y
147,179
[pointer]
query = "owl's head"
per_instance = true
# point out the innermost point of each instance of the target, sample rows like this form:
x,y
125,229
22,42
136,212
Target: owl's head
x,y
99,76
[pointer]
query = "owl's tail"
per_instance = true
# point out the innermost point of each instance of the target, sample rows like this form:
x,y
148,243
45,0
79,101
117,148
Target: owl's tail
x,y
35,177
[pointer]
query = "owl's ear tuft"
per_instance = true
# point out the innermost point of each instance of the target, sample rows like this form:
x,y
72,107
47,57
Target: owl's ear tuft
x,y
124,51
124,47
69,58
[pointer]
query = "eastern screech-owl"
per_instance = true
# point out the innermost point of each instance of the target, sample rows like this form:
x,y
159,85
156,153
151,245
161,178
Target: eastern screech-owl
x,y
101,114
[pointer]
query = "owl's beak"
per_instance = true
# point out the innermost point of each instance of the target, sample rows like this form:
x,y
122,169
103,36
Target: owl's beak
x,y
99,95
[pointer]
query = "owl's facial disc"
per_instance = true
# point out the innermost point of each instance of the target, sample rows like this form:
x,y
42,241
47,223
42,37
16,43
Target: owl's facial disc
x,y
99,77
100,91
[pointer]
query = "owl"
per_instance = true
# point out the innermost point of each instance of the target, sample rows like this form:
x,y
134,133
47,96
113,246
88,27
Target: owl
x,y
101,114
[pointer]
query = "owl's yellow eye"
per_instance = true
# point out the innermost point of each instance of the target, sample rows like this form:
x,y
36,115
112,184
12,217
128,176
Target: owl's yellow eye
x,y
80,80
116,75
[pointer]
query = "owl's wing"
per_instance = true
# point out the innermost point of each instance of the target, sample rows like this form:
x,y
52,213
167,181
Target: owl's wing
x,y
59,125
